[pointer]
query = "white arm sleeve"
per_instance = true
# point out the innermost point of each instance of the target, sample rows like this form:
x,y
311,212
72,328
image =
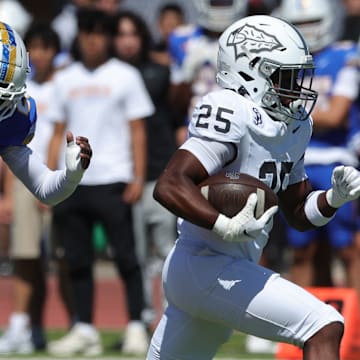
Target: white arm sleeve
x,y
50,187
213,155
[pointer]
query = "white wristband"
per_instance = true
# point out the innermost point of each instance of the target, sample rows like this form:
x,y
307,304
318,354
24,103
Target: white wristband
x,y
221,225
312,211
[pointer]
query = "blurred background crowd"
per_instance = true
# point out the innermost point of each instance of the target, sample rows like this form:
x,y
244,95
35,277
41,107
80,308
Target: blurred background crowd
x,y
126,74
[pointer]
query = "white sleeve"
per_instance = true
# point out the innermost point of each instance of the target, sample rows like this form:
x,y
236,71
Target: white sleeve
x,y
213,155
347,83
138,103
50,187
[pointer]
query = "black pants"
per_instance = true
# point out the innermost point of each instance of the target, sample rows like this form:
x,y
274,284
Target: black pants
x,y
73,222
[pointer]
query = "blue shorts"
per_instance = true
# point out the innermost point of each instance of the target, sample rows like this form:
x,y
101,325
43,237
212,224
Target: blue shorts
x,y
340,230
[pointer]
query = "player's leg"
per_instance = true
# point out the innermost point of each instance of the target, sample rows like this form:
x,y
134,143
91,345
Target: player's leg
x,y
179,336
116,217
29,277
242,295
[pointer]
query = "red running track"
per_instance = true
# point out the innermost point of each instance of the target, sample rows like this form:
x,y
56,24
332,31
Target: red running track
x,y
110,309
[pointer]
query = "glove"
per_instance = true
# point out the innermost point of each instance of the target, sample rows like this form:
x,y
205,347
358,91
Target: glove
x,y
72,158
243,226
345,186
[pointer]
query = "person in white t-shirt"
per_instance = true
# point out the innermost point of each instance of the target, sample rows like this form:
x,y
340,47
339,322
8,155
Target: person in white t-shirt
x,y
259,124
107,100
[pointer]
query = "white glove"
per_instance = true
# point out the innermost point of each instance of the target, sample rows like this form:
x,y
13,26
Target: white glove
x,y
345,186
243,226
73,160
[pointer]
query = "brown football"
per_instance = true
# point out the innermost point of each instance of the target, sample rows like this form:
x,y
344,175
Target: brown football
x,y
228,193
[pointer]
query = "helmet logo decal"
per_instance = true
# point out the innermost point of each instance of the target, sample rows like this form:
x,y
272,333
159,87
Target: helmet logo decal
x,y
7,67
255,41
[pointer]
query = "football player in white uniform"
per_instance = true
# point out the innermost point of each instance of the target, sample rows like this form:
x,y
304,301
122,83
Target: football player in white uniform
x,y
17,127
257,124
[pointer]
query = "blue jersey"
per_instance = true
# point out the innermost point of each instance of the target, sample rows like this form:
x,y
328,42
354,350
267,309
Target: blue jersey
x,y
330,64
194,56
19,128
178,40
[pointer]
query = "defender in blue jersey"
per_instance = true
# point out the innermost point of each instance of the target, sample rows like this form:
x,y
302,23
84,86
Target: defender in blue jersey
x,y
17,127
193,51
336,119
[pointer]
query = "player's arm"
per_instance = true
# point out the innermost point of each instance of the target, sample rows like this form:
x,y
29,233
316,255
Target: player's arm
x,y
177,190
50,187
305,209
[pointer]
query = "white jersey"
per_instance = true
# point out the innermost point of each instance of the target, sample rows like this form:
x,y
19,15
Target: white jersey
x,y
99,104
269,150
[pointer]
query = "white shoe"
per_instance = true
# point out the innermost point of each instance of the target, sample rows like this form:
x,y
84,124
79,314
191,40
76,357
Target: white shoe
x,y
254,344
17,338
77,341
16,342
135,341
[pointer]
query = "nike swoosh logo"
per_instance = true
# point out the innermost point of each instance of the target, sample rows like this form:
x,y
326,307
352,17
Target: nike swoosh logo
x,y
296,129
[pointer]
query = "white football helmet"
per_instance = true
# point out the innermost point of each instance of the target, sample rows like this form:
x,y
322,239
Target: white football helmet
x,y
216,15
267,60
14,67
320,21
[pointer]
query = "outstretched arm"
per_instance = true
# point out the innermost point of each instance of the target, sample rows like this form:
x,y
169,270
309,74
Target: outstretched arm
x,y
305,209
50,187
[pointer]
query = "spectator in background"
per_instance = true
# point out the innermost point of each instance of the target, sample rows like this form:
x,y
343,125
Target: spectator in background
x,y
12,12
193,49
169,17
107,99
108,6
155,227
335,118
65,23
351,30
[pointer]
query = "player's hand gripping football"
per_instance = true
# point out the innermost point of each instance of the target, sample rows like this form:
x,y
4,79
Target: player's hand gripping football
x,y
78,153
243,226
345,186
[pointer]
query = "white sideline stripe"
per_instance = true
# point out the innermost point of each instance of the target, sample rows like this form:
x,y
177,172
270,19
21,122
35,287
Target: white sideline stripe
x,y
98,358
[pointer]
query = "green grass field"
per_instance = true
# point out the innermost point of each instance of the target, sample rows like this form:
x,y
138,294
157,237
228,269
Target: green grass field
x,y
234,349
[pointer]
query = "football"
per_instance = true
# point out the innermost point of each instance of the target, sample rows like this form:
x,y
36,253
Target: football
x,y
228,192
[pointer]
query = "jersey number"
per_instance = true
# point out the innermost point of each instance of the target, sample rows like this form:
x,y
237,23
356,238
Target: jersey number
x,y
268,171
222,124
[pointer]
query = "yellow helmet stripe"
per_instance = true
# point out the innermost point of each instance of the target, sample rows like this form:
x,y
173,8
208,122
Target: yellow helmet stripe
x,y
8,63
